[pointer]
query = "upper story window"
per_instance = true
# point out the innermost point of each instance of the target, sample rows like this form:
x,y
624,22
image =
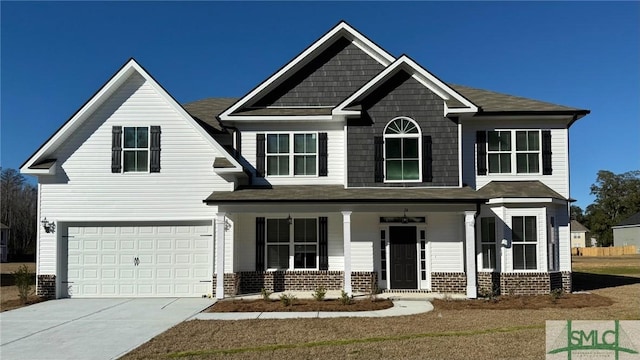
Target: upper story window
x,y
287,152
402,149
501,151
136,149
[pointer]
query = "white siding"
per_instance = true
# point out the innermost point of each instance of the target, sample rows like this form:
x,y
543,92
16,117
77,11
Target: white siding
x,y
445,237
335,153
84,189
558,181
365,237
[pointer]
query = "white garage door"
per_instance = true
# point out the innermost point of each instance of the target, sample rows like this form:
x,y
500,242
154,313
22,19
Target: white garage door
x,y
145,261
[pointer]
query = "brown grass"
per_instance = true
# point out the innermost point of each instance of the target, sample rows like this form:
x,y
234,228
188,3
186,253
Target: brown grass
x,y
565,301
10,268
298,305
9,296
440,334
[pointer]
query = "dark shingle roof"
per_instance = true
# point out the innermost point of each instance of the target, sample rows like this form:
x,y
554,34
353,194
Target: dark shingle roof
x,y
206,110
576,226
491,101
631,220
337,193
285,111
518,189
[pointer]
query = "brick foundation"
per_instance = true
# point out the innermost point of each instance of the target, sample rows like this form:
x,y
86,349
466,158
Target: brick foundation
x,y
447,282
230,284
46,286
522,283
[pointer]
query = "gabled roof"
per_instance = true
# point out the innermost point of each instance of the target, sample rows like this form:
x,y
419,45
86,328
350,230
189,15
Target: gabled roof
x,y
578,227
406,64
207,110
631,220
341,30
518,189
43,154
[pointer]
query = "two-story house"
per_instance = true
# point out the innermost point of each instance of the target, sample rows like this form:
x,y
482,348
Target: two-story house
x,y
348,168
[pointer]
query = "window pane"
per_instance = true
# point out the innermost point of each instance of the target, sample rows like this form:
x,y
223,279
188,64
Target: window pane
x,y
530,257
278,256
505,163
534,140
505,140
517,228
310,165
283,165
494,163
521,141
141,160
283,143
299,165
272,143
494,141
488,229
129,137
393,148
305,230
304,257
530,228
278,230
488,256
533,163
394,169
310,146
518,257
410,148
521,163
142,137
411,170
129,161
298,143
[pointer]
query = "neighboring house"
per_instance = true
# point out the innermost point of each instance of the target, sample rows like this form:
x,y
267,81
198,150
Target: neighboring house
x,y
579,235
4,242
627,232
348,168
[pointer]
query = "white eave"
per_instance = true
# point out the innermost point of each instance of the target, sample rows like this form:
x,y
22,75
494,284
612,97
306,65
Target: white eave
x,y
542,200
341,30
68,128
430,81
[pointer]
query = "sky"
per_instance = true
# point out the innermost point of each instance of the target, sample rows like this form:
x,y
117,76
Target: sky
x,y
55,55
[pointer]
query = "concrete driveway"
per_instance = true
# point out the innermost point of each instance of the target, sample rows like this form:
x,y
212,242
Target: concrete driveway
x,y
90,328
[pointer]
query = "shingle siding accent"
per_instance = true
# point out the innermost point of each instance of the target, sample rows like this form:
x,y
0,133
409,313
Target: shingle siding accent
x,y
327,80
402,96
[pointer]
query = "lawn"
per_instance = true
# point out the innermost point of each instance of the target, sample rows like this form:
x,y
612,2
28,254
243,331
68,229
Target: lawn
x,y
9,298
440,334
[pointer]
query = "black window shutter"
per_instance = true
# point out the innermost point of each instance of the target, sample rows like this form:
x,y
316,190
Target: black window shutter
x,y
322,154
378,142
260,156
481,145
116,149
323,244
260,240
427,167
546,153
154,163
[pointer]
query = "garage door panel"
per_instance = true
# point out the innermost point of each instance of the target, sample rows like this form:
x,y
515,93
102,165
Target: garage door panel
x,y
172,261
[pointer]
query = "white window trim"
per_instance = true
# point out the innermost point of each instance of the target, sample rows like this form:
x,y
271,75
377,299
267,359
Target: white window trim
x,y
147,149
292,245
536,243
514,153
384,149
291,154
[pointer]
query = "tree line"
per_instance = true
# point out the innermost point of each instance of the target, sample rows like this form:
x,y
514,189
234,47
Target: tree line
x,y
19,201
617,196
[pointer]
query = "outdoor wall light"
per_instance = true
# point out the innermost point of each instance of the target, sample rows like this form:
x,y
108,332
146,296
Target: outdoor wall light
x,y
289,219
405,219
48,226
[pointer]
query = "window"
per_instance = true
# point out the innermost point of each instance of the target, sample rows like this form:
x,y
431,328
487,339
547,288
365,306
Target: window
x,y
136,149
402,150
302,243
525,238
280,157
501,152
488,241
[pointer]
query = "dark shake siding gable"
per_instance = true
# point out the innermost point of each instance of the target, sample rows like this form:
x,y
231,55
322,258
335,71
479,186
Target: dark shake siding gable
x,y
328,79
402,96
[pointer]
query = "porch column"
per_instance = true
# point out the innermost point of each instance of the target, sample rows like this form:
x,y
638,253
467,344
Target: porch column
x,y
470,247
220,255
346,227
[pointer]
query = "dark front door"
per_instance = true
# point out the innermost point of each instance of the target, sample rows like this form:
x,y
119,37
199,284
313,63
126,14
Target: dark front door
x,y
404,274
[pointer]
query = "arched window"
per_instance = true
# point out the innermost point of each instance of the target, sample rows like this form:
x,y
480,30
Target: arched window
x,y
402,149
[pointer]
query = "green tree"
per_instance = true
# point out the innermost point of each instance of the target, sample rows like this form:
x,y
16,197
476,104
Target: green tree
x,y
617,197
577,214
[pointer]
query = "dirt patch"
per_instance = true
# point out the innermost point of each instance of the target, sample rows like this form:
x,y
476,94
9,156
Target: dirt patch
x,y
10,299
10,268
533,302
300,305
